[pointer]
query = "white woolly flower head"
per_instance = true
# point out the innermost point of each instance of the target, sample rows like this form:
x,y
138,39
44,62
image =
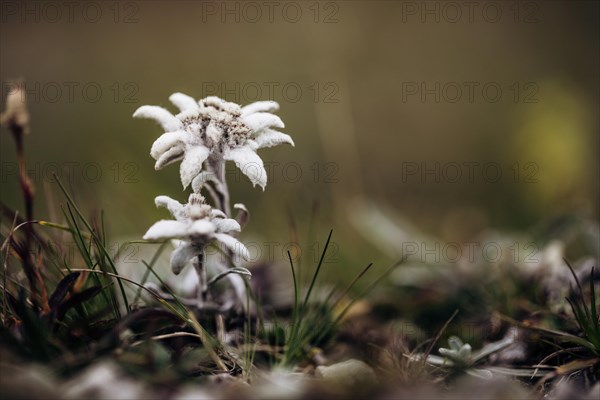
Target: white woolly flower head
x,y
213,128
196,224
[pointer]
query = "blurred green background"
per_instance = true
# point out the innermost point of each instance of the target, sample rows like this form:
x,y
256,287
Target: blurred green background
x,y
356,82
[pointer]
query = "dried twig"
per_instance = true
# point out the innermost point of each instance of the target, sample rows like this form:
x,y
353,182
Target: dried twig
x,y
16,119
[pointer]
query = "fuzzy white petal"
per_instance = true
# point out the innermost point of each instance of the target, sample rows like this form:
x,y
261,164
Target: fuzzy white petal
x,y
170,156
243,214
251,144
270,138
234,245
166,229
183,102
227,225
249,163
192,164
200,180
216,213
218,103
174,207
160,115
189,113
240,206
166,141
214,101
261,120
260,106
181,255
201,227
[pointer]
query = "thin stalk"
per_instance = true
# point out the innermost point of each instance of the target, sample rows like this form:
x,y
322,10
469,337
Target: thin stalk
x,y
224,189
26,184
220,193
28,190
202,279
4,276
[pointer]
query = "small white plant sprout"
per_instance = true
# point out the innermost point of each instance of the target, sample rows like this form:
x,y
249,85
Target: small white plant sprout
x,y
460,357
203,136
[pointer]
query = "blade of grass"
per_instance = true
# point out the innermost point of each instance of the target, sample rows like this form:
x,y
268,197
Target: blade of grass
x,y
316,274
295,284
77,236
326,327
439,335
365,292
102,258
594,312
207,341
156,296
350,286
581,293
98,243
295,317
369,288
147,272
562,336
310,236
169,291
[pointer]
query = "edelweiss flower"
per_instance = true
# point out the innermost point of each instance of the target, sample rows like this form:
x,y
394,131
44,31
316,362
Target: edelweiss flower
x,y
197,224
214,129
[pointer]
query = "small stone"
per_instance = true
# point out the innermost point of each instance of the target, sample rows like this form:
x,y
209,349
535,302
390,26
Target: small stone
x,y
27,382
103,380
348,373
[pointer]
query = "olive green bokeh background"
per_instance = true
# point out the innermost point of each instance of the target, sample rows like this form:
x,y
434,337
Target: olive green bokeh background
x,y
357,129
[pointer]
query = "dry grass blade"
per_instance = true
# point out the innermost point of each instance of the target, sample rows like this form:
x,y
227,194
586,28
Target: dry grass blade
x,y
568,368
207,342
6,248
438,336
